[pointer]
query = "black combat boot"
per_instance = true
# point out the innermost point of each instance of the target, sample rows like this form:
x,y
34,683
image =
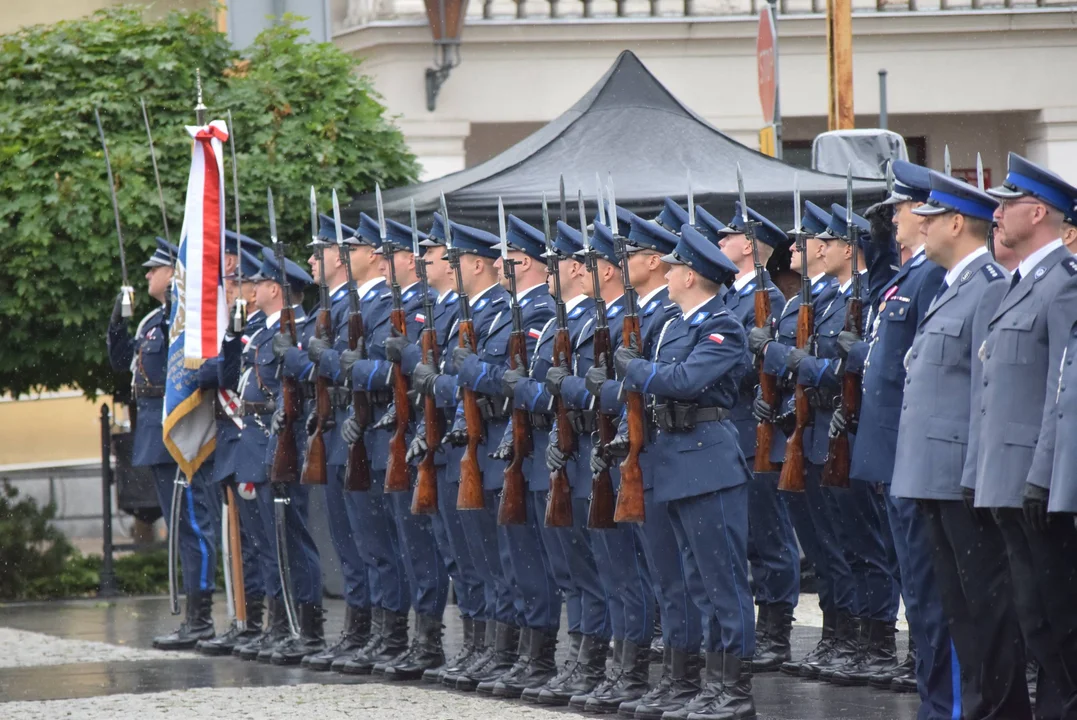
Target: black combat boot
x,y
355,635
425,653
883,680
684,686
575,640
311,640
710,690
523,657
585,675
392,644
224,644
539,670
659,689
433,675
774,650
275,631
846,648
374,639
821,650
735,701
839,664
632,683
484,652
579,700
879,655
502,659
198,624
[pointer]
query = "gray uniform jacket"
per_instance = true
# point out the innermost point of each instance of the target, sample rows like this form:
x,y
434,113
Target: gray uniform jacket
x,y
943,385
1017,359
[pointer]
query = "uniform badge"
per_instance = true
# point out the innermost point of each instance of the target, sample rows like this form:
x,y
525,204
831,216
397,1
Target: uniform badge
x,y
890,292
534,333
576,312
747,288
247,491
919,260
340,294
650,307
966,275
370,295
481,304
992,272
699,317
612,312
451,298
408,295
524,302
1070,265
1040,272
716,337
420,318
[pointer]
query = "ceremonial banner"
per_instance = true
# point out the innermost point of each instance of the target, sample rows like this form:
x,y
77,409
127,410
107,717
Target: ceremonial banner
x,y
198,319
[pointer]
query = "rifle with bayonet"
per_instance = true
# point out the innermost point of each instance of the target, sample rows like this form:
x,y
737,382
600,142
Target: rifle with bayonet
x,y
513,509
315,471
630,494
357,471
285,466
424,501
839,456
126,291
792,477
559,499
768,384
397,477
469,496
600,512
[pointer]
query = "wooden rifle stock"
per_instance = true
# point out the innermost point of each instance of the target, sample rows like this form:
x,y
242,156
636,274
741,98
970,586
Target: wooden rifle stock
x,y
357,474
397,477
469,496
839,455
314,469
285,468
424,501
768,389
513,509
600,513
792,477
559,502
630,494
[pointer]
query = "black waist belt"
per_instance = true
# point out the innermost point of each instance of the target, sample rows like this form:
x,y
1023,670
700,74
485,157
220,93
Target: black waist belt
x,y
340,398
258,408
381,398
824,401
582,421
149,391
492,408
541,421
682,417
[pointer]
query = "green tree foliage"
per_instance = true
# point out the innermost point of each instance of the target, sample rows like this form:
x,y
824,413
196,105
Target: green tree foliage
x,y
30,547
303,115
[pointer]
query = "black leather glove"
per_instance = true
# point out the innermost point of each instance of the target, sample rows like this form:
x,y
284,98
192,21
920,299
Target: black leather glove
x,y
348,358
423,377
555,459
117,310
595,378
387,421
794,358
762,411
623,355
786,422
513,376
846,341
460,354
504,450
350,431
312,423
837,423
618,447
417,448
598,463
554,377
394,347
1034,505
457,437
758,337
881,218
282,341
316,347
276,424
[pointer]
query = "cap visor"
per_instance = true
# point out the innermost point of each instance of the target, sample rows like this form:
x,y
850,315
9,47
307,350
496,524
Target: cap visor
x,y
1005,193
672,259
896,199
730,230
930,210
826,235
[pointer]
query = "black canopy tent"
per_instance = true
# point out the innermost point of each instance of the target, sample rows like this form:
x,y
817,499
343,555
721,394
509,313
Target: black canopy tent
x,y
631,126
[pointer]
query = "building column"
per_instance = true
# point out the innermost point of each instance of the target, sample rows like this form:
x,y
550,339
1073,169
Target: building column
x,y
1052,141
439,146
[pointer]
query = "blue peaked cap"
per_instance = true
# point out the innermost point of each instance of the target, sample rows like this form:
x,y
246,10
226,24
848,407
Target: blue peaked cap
x,y
766,231
249,263
368,232
649,235
327,232
248,244
912,182
436,236
567,241
624,218
298,278
709,226
602,243
949,194
1024,177
525,238
672,216
697,252
836,227
164,255
814,220
473,241
399,235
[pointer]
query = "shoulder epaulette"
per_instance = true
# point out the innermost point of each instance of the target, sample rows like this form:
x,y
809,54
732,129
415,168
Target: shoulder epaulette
x,y
992,273
497,300
1070,264
576,312
651,307
699,317
452,298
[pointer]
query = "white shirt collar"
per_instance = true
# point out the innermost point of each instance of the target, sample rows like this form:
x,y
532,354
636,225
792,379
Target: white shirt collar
x,y
694,310
955,272
409,287
917,251
475,299
521,294
333,291
743,280
571,304
845,285
650,296
369,285
817,278
1034,259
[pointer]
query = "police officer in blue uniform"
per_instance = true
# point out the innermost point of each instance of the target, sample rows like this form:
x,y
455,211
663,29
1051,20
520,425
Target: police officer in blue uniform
x,y
1013,458
146,356
622,562
772,544
698,363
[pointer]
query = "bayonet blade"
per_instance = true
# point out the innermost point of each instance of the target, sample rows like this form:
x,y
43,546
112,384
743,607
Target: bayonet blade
x,y
235,184
381,212
583,221
112,194
445,219
946,169
743,197
564,206
849,202
613,204
691,201
979,172
501,230
272,217
796,203
601,202
313,215
336,219
414,229
546,220
156,173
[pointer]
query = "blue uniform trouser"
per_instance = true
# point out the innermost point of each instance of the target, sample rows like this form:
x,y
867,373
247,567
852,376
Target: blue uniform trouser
x,y
379,546
772,544
630,580
682,624
427,575
578,551
801,517
200,520
830,564
559,565
354,570
480,529
523,558
449,533
712,532
858,514
938,676
251,538
303,560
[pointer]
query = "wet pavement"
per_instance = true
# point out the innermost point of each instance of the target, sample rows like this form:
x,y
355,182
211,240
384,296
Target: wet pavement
x,y
132,623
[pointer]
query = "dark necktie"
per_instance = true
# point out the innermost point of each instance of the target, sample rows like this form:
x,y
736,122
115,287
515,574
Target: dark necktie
x,y
1015,279
942,289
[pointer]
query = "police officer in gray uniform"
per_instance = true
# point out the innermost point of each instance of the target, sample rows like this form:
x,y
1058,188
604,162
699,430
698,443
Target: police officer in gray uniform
x,y
942,387
1013,466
